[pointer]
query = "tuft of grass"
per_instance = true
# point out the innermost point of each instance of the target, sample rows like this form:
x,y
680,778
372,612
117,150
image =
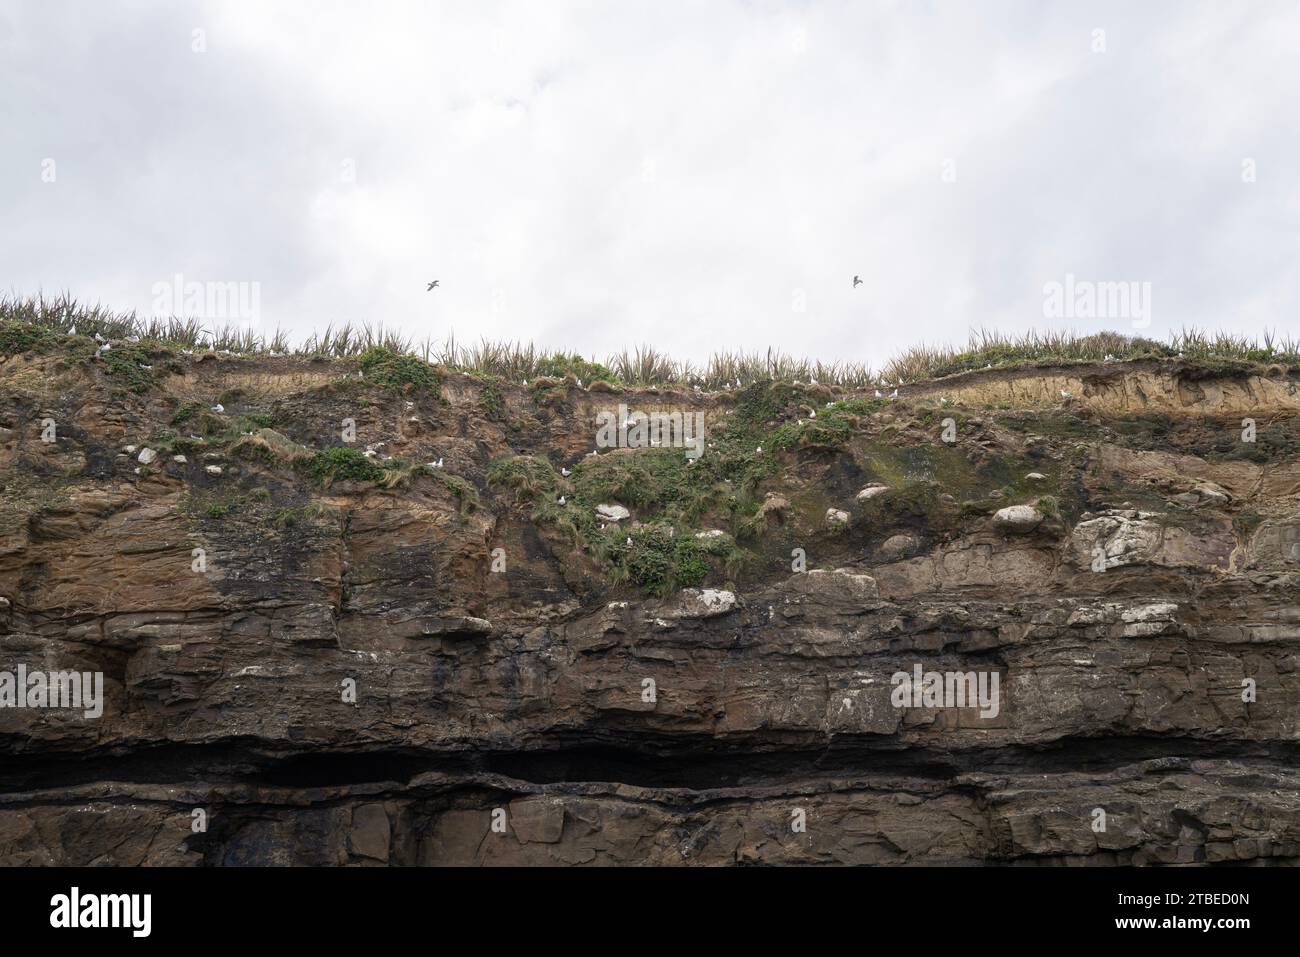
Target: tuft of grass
x,y
527,477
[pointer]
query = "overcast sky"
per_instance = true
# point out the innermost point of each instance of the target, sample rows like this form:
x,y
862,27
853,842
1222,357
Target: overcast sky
x,y
694,176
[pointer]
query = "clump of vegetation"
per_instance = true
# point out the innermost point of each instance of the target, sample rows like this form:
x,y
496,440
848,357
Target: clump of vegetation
x,y
186,412
397,472
493,402
19,337
338,464
529,478
291,516
550,393
256,420
661,562
131,366
832,427
558,365
464,491
397,370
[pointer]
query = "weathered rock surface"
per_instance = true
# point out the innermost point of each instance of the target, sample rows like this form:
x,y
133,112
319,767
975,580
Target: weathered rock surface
x,y
369,673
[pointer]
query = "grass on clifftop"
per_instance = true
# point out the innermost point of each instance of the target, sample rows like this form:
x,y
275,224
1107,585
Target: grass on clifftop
x,y
38,324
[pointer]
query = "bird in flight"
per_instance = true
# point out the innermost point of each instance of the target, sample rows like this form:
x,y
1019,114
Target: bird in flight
x,y
857,281
429,288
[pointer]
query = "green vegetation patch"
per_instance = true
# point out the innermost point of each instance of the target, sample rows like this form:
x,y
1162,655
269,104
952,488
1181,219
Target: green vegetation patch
x,y
131,367
19,337
558,365
398,370
338,464
493,402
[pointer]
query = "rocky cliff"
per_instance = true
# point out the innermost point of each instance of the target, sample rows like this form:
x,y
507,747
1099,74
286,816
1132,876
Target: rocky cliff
x,y
373,612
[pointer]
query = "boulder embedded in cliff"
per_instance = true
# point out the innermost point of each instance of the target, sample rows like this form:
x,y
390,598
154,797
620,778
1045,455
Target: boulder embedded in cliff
x,y
896,546
1017,519
838,585
455,626
704,603
612,513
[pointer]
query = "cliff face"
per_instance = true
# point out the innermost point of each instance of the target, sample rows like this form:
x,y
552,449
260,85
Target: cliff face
x,y
333,657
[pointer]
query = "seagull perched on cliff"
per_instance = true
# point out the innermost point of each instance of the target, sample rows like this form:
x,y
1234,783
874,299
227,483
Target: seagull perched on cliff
x,y
431,286
812,414
856,282
565,472
437,464
218,408
1066,395
894,394
629,541
560,501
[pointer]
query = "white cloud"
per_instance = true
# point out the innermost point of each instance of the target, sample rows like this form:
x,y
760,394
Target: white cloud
x,y
598,176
